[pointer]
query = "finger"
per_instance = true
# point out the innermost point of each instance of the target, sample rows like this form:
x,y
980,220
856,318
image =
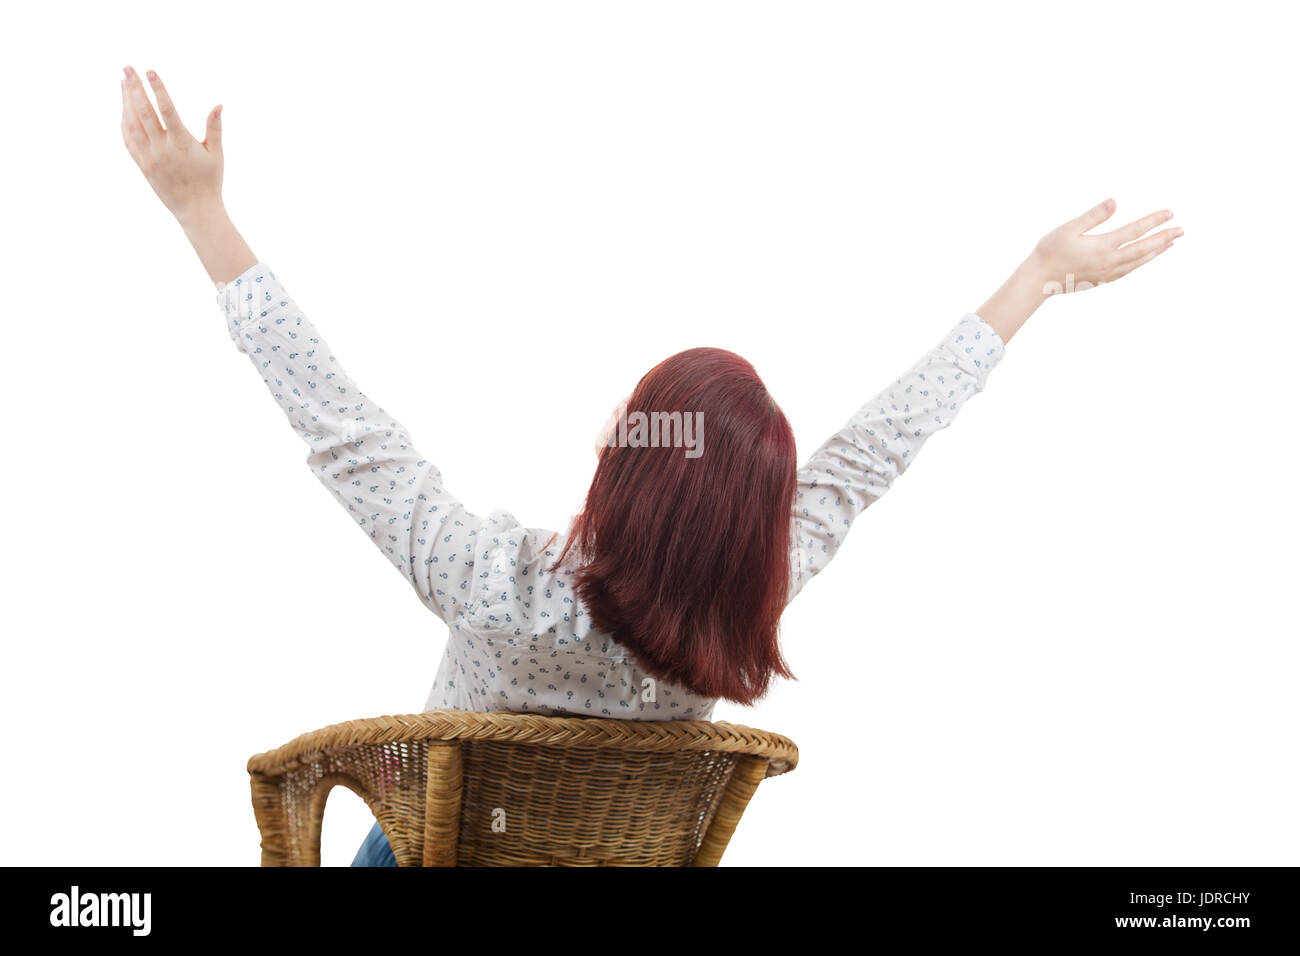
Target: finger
x,y
170,117
212,138
1142,260
136,141
1096,215
143,108
1140,228
1136,250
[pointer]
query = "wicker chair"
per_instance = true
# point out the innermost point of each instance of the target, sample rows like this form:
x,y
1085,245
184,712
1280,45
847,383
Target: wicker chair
x,y
451,788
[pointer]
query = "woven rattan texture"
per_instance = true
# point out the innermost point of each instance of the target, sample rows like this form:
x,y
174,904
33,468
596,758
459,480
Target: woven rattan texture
x,y
453,787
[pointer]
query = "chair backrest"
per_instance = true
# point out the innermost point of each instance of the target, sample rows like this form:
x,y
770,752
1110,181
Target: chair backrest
x,y
452,787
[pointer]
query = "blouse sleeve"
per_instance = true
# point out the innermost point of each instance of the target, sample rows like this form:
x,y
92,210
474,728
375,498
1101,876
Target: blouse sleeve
x,y
356,449
857,465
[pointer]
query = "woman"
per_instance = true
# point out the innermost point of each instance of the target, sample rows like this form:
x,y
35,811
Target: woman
x,y
698,528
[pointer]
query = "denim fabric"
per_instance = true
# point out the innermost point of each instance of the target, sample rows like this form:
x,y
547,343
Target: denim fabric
x,y
375,851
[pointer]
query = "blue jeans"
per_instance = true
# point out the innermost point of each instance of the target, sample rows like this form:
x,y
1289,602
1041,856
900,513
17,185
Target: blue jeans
x,y
375,851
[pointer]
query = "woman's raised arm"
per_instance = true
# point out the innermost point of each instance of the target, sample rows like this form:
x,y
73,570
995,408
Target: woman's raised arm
x,y
859,463
356,449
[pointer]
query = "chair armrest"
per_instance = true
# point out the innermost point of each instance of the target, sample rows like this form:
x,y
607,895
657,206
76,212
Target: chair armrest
x,y
392,778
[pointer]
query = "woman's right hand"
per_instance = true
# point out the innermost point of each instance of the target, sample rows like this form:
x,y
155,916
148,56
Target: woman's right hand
x,y
184,173
1066,260
1070,261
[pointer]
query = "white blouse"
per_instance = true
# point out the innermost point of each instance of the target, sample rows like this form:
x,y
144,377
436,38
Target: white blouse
x,y
520,639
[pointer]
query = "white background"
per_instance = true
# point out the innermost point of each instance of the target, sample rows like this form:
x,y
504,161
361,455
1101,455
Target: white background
x,y
1066,636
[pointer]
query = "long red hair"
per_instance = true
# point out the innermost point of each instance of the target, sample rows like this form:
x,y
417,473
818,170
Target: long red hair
x,y
685,560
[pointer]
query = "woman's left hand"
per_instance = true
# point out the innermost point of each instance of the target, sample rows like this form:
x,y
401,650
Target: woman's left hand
x,y
185,173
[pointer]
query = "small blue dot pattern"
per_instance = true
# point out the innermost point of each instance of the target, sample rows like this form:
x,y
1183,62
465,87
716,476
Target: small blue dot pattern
x,y
519,637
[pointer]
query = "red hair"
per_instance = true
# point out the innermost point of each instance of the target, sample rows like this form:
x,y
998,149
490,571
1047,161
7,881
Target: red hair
x,y
685,560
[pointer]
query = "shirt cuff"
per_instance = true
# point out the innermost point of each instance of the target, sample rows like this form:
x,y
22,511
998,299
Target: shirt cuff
x,y
252,294
975,346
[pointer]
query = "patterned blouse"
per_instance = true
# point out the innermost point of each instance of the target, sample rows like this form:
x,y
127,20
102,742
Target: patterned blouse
x,y
520,639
